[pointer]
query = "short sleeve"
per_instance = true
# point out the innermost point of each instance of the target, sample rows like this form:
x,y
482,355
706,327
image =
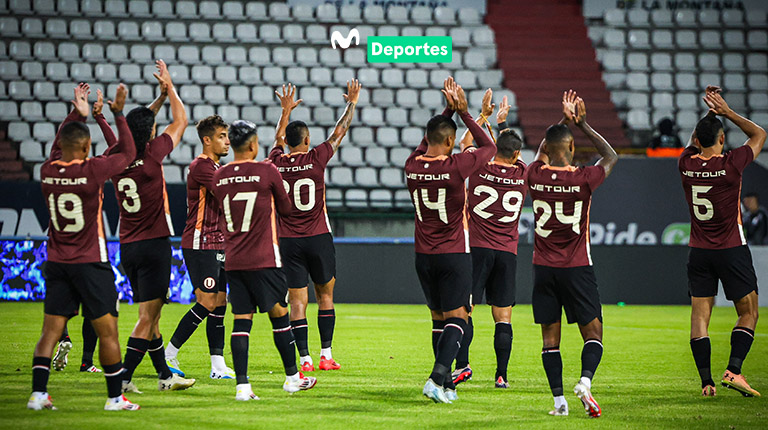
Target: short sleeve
x,y
202,172
160,147
323,153
533,169
595,176
276,152
740,157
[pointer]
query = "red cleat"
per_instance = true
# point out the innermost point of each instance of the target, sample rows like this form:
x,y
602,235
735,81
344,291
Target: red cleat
x,y
329,364
308,367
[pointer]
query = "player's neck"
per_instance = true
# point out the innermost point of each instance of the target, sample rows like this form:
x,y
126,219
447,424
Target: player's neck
x,y
559,162
304,147
244,156
711,151
210,154
435,151
505,161
66,157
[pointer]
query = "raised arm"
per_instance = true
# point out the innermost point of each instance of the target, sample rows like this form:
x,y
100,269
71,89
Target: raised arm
x,y
608,155
79,113
755,134
342,125
449,91
124,152
501,115
569,114
158,102
106,130
485,113
176,129
288,105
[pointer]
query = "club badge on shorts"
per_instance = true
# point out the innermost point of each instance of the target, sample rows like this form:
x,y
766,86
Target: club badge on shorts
x,y
209,283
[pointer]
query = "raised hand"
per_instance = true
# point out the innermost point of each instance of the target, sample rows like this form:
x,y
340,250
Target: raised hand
x,y
713,89
80,102
461,100
450,92
98,105
716,103
501,115
353,91
487,106
119,103
286,98
163,77
569,105
581,111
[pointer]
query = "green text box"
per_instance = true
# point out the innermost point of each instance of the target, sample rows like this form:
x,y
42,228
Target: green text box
x,y
410,49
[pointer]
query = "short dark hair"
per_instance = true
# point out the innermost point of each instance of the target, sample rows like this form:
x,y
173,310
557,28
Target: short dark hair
x,y
707,130
295,133
240,133
73,133
140,121
752,194
440,128
208,126
558,133
508,143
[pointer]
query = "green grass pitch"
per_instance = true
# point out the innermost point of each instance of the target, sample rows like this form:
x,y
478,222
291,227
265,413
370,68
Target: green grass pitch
x,y
647,378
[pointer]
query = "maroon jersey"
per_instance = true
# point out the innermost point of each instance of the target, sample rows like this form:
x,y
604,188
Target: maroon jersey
x,y
74,192
304,180
202,229
495,198
248,192
436,185
561,199
713,191
140,191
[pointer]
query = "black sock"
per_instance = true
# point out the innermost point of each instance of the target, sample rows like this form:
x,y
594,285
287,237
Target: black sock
x,y
591,354
65,336
89,343
134,353
157,355
114,375
437,331
214,328
462,357
502,344
447,347
702,350
283,337
741,341
553,366
241,334
326,321
188,324
300,333
41,370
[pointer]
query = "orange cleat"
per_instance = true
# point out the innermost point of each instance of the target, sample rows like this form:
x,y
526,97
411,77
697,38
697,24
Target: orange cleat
x,y
308,367
709,391
329,364
738,383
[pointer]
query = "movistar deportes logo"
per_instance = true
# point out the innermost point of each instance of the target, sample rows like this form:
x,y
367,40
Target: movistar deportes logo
x,y
345,42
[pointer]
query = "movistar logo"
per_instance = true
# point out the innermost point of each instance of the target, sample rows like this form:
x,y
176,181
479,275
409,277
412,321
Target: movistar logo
x,y
345,42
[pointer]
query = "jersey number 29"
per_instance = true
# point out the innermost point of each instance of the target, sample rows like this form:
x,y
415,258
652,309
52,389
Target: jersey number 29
x,y
506,203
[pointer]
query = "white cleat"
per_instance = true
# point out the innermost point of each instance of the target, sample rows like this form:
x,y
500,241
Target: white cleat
x,y
451,395
245,393
60,359
39,401
590,404
302,383
121,405
225,373
130,387
560,412
435,392
174,383
173,365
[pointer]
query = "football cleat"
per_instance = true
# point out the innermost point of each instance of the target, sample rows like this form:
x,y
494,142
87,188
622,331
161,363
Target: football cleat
x,y
130,387
585,395
709,391
89,368
245,393
122,405
173,365
303,383
225,373
501,383
435,392
461,375
39,401
451,395
174,383
60,359
329,364
560,412
307,367
738,383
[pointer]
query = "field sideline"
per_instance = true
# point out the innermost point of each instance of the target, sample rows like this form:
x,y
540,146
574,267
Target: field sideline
x,y
647,378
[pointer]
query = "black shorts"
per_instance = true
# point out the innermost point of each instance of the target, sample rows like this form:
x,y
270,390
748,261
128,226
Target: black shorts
x,y
732,266
313,255
252,289
493,273
147,263
206,269
572,288
446,280
67,286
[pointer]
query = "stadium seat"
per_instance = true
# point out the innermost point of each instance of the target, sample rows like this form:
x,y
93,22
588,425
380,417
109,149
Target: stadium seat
x,y
614,18
662,100
341,176
709,61
279,11
117,53
445,15
392,78
31,111
200,32
376,157
685,18
273,75
43,131
316,34
351,156
756,19
709,18
140,9
638,39
9,70
297,75
614,39
283,56
202,111
662,39
325,13
637,81
104,30
686,39
685,61
212,55
732,18
350,13
758,100
661,81
757,62
460,37
366,177
141,53
130,73
710,39
9,26
638,119
686,82
421,15
18,131
44,91
662,18
412,31
734,39
186,9
30,150
128,31
638,18
9,111
734,82
19,90
56,28
202,74
757,39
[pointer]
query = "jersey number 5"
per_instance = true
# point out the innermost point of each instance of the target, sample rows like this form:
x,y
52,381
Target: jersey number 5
x,y
506,203
250,202
700,202
546,214
59,207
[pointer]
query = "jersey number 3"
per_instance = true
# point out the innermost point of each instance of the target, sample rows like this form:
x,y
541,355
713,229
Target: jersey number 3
x,y
131,202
